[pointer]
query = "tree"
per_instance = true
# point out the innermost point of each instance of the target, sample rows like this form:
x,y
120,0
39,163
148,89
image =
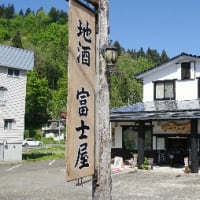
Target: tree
x,y
2,9
119,47
16,41
28,11
42,19
141,52
133,53
37,99
57,104
4,35
21,12
153,55
9,11
164,57
124,88
63,17
54,15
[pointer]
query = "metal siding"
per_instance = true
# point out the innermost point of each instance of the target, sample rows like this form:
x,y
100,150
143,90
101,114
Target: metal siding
x,y
15,104
13,152
16,57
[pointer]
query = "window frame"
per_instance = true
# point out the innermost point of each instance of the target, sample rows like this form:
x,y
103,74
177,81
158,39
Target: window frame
x,y
132,144
12,72
185,70
127,144
3,97
148,141
164,82
9,124
198,87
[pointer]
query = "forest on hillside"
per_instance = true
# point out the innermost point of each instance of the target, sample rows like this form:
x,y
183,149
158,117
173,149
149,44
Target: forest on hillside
x,y
47,35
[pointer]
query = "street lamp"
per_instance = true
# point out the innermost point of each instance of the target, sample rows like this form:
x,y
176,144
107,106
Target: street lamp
x,y
110,54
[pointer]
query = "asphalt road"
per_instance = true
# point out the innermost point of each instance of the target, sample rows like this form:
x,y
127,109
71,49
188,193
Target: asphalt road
x,y
45,180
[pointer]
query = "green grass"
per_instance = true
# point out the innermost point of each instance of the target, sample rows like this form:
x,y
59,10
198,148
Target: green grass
x,y
51,141
44,153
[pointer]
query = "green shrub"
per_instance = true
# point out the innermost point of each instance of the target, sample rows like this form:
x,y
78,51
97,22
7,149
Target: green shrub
x,y
33,133
145,165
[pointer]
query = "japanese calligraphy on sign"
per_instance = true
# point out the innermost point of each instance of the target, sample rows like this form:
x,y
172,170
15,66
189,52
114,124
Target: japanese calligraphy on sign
x,y
81,87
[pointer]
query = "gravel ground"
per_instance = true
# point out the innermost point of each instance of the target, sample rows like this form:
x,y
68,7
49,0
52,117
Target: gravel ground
x,y
161,183
46,181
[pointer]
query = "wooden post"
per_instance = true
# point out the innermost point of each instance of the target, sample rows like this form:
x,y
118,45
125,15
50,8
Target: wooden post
x,y
102,184
194,149
141,135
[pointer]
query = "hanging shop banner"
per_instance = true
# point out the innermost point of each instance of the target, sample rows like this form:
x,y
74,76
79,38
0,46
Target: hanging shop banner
x,y
81,87
173,127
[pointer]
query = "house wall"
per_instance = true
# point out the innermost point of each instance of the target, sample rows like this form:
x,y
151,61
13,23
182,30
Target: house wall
x,y
184,91
172,71
12,152
14,108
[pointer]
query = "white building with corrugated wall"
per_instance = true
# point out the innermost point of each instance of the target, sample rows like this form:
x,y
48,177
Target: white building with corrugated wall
x,y
14,64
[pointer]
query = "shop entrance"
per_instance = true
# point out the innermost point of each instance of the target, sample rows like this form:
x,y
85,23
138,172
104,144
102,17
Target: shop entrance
x,y
178,148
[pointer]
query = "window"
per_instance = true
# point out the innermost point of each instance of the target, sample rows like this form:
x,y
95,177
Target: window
x,y
148,138
130,139
113,137
199,88
8,124
13,72
164,90
185,71
3,94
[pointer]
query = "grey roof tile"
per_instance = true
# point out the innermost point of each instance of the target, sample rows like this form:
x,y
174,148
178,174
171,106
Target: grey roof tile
x,y
16,58
157,110
156,106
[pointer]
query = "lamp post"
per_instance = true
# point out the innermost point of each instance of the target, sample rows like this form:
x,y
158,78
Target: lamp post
x,y
105,58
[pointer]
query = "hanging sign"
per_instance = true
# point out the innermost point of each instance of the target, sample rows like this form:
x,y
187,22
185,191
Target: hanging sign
x,y
81,87
176,128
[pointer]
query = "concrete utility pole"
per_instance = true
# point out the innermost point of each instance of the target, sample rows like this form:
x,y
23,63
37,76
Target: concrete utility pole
x,y
102,184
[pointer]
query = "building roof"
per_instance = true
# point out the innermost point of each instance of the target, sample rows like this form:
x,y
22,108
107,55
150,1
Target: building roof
x,y
16,58
172,60
157,110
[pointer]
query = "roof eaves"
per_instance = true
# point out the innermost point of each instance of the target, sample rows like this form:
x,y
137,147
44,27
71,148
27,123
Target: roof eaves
x,y
140,75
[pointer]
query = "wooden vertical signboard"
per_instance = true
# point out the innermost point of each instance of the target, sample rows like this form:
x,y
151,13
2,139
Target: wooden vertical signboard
x,y
81,89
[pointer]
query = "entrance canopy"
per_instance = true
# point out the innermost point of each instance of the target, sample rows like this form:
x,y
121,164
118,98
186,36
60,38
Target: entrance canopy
x,y
157,110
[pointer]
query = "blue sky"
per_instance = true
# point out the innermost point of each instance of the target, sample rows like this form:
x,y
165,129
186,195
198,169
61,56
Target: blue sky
x,y
173,25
